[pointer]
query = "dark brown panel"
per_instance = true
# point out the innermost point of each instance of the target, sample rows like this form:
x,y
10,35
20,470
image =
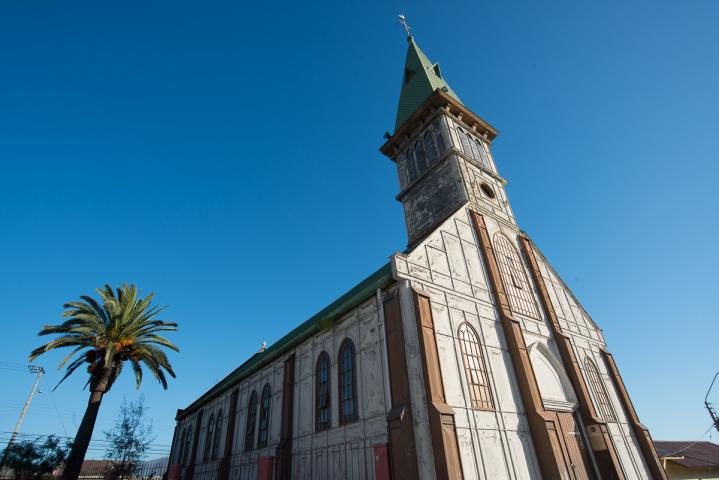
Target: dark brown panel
x,y
229,438
402,451
284,448
640,431
547,443
441,416
606,455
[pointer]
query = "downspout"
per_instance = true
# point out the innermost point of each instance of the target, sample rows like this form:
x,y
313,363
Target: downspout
x,y
383,349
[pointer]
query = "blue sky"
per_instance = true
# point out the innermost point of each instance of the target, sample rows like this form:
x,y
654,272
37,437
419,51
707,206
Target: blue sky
x,y
225,156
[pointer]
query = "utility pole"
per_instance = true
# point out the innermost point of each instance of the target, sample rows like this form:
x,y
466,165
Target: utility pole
x,y
35,370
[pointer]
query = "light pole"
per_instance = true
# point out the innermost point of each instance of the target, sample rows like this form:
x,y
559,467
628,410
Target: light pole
x,y
35,370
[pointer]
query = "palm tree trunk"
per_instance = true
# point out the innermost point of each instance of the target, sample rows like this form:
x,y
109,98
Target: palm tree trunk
x,y
82,438
98,387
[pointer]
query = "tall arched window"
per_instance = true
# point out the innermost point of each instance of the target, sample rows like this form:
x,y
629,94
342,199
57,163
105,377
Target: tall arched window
x,y
322,392
514,277
218,434
251,418
347,373
264,417
188,442
181,447
600,391
430,148
209,437
475,367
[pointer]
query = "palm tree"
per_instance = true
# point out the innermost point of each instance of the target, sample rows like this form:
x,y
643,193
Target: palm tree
x,y
124,328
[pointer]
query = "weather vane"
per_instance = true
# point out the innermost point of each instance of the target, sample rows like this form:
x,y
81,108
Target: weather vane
x,y
403,21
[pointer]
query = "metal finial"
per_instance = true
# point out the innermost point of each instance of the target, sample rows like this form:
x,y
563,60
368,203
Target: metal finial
x,y
403,21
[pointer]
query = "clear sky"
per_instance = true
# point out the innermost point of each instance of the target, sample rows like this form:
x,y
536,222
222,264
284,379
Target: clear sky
x,y
225,156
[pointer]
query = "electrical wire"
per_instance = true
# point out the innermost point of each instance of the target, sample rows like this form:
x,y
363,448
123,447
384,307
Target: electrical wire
x,y
691,444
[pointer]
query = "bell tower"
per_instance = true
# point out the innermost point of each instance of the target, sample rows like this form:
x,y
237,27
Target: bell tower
x,y
442,151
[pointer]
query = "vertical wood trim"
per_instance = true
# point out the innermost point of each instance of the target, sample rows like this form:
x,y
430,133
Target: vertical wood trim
x,y
442,427
284,448
402,450
190,473
601,442
542,427
229,437
640,431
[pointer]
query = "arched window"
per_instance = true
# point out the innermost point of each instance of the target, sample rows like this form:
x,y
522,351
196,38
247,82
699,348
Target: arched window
x,y
347,374
514,277
430,148
264,417
411,165
439,135
188,442
322,392
250,426
218,434
600,391
475,367
181,447
483,155
209,437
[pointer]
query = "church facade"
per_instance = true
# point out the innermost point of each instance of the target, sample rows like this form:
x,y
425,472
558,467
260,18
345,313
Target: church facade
x,y
464,357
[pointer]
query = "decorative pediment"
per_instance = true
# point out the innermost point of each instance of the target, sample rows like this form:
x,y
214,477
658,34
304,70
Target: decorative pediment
x,y
554,385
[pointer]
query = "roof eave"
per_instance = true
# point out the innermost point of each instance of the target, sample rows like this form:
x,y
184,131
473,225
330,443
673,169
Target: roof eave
x,y
438,99
318,322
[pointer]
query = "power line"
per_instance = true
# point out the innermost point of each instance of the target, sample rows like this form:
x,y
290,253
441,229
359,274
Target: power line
x,y
691,444
41,435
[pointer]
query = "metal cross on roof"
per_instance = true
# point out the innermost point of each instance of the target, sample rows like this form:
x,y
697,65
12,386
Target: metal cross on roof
x,y
403,21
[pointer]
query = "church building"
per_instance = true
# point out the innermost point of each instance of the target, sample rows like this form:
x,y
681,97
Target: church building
x,y
464,357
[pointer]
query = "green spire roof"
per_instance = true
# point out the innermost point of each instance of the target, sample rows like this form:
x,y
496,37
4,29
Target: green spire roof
x,y
421,78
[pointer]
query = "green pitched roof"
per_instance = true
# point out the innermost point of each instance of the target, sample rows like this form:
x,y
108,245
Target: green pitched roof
x,y
320,321
421,78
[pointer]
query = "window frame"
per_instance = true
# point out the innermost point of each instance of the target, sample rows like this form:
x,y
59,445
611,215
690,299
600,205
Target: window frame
x,y
321,425
217,436
209,436
181,453
342,372
263,430
250,422
514,277
475,366
601,395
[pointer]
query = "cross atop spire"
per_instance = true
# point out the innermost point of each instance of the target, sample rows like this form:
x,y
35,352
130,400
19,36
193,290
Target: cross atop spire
x,y
403,21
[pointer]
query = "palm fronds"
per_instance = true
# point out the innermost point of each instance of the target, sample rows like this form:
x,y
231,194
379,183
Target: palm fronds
x,y
122,326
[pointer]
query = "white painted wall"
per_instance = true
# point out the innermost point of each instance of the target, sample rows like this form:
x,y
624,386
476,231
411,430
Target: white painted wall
x,y
497,444
343,451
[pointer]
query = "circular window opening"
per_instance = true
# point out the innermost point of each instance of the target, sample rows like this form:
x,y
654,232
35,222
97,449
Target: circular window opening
x,y
487,190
